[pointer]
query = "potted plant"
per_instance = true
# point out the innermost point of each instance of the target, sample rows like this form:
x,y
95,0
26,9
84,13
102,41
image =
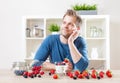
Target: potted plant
x,y
54,28
85,9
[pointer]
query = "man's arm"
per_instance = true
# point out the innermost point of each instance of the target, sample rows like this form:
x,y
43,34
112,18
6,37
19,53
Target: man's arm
x,y
42,55
76,55
80,61
48,66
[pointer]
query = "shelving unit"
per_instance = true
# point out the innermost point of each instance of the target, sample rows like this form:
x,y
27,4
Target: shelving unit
x,y
95,29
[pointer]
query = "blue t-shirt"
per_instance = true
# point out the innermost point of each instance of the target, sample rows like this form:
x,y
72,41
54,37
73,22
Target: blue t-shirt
x,y
57,51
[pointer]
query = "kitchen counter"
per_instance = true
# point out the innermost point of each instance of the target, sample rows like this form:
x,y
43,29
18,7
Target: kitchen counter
x,y
7,76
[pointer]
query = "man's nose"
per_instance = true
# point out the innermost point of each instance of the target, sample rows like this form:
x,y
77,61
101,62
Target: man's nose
x,y
66,26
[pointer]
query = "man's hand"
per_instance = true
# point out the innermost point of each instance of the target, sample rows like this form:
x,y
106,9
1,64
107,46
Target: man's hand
x,y
48,66
69,66
75,34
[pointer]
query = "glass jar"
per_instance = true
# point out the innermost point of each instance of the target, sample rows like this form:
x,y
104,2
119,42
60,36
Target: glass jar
x,y
37,31
19,66
28,31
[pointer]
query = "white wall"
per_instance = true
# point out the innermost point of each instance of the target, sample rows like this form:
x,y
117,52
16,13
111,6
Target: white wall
x,y
11,29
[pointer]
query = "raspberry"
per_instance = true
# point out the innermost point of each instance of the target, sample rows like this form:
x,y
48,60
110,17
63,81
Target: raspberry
x,y
52,71
41,72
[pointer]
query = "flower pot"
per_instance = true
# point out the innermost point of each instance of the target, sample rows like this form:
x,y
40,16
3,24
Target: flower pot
x,y
87,12
53,33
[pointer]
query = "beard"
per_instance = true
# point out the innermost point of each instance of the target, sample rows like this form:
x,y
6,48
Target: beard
x,y
66,33
65,36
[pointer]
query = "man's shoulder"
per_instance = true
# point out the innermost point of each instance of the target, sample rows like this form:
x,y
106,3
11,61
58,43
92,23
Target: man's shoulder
x,y
50,39
80,38
53,36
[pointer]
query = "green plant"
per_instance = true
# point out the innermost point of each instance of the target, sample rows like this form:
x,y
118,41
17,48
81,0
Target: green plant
x,y
78,7
54,28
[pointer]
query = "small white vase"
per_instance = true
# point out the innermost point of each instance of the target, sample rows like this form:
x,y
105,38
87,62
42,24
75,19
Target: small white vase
x,y
94,53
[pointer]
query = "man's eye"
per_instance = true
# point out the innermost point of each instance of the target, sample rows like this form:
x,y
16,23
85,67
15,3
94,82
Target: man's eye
x,y
63,22
71,24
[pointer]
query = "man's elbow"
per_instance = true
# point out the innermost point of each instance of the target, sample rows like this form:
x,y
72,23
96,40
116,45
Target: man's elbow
x,y
86,64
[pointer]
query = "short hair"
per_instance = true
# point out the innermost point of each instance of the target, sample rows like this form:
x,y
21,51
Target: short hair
x,y
71,12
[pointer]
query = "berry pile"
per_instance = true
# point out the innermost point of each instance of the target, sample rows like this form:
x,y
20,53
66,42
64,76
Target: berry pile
x,y
19,72
85,74
37,71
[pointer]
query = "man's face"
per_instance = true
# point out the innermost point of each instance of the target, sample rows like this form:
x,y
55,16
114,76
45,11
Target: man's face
x,y
68,26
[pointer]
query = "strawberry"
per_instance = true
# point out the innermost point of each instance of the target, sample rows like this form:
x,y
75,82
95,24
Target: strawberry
x,y
25,73
93,75
55,76
68,73
101,74
71,75
94,71
66,60
52,71
108,73
76,73
80,76
86,74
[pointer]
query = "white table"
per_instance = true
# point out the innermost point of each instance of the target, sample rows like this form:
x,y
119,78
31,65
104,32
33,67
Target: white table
x,y
7,76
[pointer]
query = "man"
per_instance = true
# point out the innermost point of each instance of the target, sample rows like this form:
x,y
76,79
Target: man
x,y
67,44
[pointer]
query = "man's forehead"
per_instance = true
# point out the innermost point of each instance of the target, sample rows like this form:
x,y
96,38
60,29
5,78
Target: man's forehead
x,y
70,18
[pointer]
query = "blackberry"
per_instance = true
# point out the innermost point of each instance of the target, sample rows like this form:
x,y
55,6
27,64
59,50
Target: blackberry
x,y
19,72
87,77
39,76
50,74
74,77
35,75
98,77
32,76
25,76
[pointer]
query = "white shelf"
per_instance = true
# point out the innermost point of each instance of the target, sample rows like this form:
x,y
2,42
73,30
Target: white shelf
x,y
33,38
99,40
97,59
